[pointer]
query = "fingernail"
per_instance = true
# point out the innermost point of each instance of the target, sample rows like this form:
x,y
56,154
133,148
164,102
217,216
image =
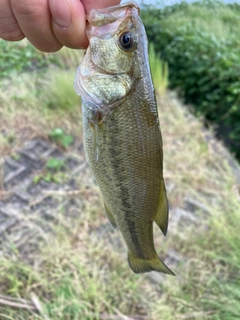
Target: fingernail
x,y
61,13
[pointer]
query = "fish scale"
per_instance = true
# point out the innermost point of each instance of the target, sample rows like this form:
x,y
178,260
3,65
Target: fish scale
x,y
122,138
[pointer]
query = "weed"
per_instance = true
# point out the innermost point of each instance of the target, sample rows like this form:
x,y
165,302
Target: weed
x,y
21,56
159,71
55,164
59,93
60,137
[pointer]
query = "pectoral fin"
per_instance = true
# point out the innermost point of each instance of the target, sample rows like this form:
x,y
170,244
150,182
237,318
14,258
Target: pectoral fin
x,y
94,127
139,265
110,216
161,218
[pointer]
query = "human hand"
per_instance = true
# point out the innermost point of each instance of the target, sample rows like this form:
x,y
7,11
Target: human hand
x,y
48,24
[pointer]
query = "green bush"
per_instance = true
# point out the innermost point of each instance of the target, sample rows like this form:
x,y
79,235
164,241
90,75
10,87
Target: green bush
x,y
16,57
203,56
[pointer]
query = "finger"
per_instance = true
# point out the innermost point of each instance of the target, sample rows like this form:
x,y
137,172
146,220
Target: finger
x,y
69,22
91,4
73,35
34,19
9,28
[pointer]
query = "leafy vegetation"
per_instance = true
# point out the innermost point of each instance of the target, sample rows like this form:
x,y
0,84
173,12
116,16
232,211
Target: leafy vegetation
x,y
16,57
55,163
201,45
60,137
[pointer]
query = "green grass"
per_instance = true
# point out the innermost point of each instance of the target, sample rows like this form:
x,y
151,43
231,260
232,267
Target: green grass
x,y
58,93
222,23
217,19
36,102
80,270
20,56
159,71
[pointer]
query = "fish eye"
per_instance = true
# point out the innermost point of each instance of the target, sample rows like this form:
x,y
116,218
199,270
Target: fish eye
x,y
127,40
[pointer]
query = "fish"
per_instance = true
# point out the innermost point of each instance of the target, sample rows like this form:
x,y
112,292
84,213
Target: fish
x,y
122,137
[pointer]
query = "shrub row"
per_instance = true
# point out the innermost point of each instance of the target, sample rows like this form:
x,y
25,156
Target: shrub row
x,y
203,65
16,57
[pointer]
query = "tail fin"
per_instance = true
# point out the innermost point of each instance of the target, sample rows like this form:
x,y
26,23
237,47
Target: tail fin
x,y
139,265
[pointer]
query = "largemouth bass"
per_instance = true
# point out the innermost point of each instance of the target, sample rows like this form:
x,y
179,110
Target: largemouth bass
x,y
122,137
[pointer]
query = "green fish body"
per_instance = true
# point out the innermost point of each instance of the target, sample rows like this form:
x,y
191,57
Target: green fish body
x,y
122,137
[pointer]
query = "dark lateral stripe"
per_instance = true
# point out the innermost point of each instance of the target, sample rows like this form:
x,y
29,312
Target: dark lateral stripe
x,y
118,169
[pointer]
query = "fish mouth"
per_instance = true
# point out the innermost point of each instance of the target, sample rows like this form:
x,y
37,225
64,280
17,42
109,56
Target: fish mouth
x,y
107,21
100,17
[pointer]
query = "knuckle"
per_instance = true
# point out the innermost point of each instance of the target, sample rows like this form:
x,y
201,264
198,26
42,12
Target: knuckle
x,y
29,8
11,33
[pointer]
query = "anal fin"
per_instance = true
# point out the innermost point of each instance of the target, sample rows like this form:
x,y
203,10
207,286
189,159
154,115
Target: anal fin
x,y
110,216
161,218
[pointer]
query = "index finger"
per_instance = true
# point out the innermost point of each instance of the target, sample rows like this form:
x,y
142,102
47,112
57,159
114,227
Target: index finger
x,y
69,23
91,4
69,20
